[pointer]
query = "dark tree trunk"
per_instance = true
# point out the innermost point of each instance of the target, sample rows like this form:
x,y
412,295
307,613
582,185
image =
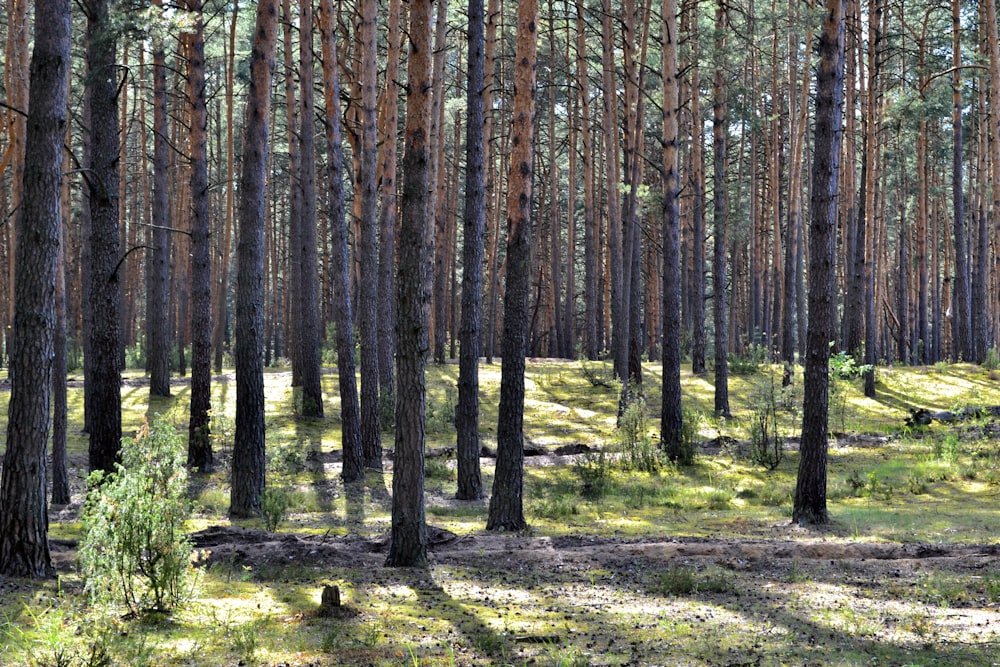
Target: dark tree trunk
x,y
470,481
293,266
368,289
103,372
671,416
199,436
962,308
810,490
248,447
158,257
60,407
350,414
24,546
507,502
309,334
409,530
719,132
388,219
591,340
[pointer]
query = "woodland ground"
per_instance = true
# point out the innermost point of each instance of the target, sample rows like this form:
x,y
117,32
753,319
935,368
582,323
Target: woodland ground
x,y
691,566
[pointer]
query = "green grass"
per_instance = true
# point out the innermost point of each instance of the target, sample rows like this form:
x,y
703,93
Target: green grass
x,y
542,601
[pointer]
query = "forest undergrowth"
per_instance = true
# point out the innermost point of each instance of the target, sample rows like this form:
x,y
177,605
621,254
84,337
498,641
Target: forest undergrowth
x,y
629,560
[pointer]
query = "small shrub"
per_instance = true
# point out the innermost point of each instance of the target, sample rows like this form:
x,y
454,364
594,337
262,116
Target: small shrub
x,y
946,448
638,451
441,411
750,362
598,373
765,443
594,473
992,360
274,507
677,580
134,548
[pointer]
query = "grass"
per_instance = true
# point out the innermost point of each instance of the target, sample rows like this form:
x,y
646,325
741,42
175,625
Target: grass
x,y
686,564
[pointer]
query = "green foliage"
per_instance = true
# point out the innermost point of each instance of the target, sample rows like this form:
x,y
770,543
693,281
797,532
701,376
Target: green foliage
x,y
946,448
594,473
637,449
690,426
750,362
845,367
676,580
992,360
598,373
274,507
441,409
134,549
765,441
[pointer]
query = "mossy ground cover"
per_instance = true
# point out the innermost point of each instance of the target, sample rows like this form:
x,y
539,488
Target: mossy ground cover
x,y
683,566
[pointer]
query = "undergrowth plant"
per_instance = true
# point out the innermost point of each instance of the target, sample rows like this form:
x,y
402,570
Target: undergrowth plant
x,y
637,449
765,442
134,549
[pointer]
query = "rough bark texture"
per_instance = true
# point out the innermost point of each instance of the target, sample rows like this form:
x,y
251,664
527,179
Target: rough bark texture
x,y
470,480
810,490
24,547
158,256
309,334
962,305
719,134
248,448
507,502
199,437
671,416
408,546
102,366
368,287
350,412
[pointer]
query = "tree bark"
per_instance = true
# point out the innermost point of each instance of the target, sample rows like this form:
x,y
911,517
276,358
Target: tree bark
x,y
507,502
719,134
103,372
810,490
350,413
199,436
248,448
24,547
408,547
470,481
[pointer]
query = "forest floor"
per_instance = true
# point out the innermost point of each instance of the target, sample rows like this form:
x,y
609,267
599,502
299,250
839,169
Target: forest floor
x,y
689,566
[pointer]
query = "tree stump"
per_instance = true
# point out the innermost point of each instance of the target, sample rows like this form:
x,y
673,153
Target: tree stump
x,y
329,604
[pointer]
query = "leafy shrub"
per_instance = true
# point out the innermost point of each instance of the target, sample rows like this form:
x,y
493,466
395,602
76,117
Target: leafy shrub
x,y
274,507
594,474
638,451
134,549
765,443
750,362
598,373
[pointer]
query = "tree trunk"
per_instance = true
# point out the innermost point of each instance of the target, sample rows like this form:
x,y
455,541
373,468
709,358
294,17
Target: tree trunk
x,y
408,545
309,307
350,414
293,258
591,340
199,436
24,546
671,416
248,447
470,482
368,287
103,371
810,490
507,502
962,310
719,132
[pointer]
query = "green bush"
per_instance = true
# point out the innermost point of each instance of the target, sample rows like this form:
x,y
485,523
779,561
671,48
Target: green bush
x,y
637,448
274,507
134,550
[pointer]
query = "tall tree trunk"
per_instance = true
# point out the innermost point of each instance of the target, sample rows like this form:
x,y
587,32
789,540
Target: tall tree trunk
x,y
507,502
248,447
439,205
810,490
222,314
24,546
408,545
103,372
962,310
671,417
388,217
293,260
309,307
720,131
60,406
696,183
470,482
993,45
350,413
158,258
199,436
591,340
368,288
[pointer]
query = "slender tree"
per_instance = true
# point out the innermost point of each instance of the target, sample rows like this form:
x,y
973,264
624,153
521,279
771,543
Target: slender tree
x,y
199,435
409,530
24,546
470,481
810,490
368,286
309,334
671,416
719,161
507,502
102,366
248,448
350,412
